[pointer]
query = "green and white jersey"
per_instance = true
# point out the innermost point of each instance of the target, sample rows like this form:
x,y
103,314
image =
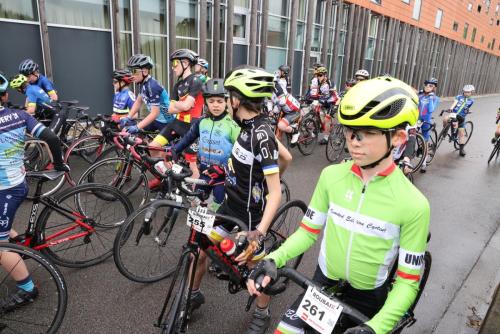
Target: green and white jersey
x,y
365,227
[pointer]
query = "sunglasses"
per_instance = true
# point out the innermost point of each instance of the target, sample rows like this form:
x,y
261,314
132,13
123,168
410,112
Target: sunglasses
x,y
320,75
360,134
137,71
115,81
175,62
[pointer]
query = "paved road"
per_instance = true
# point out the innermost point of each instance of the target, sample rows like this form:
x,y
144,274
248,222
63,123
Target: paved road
x,y
464,217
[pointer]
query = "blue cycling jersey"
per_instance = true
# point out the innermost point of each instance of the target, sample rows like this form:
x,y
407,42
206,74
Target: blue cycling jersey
x,y
153,94
36,96
44,83
13,125
427,104
463,105
123,101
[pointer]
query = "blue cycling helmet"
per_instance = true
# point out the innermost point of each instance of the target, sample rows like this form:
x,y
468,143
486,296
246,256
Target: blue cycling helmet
x,y
4,83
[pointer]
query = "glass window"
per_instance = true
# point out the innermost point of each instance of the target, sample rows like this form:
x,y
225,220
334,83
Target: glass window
x,y
19,10
316,39
466,27
279,7
125,48
439,16
302,10
416,9
469,7
455,26
81,13
274,59
378,2
153,16
124,15
209,20
191,44
277,32
186,18
473,35
156,48
406,1
240,26
482,38
299,41
242,3
222,23
319,11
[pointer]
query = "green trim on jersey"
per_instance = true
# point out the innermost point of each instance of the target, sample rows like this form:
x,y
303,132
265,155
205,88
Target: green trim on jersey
x,y
365,227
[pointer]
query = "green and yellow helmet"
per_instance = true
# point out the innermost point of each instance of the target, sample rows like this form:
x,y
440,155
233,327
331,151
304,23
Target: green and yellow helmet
x,y
251,82
17,81
383,102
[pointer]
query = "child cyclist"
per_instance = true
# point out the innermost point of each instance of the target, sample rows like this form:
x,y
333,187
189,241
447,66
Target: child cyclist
x,y
253,191
30,69
13,189
497,131
124,98
217,133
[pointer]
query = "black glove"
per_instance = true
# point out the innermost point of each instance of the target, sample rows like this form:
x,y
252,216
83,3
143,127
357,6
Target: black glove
x,y
266,267
62,167
361,329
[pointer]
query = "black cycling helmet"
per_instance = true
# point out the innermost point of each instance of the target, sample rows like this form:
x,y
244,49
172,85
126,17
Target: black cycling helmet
x,y
28,66
123,75
214,87
285,69
432,81
140,61
4,83
185,54
351,82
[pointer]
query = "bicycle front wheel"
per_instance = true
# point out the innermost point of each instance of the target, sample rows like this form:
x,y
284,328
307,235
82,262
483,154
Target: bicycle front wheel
x,y
147,246
336,144
80,229
46,313
432,146
308,138
496,150
468,129
419,155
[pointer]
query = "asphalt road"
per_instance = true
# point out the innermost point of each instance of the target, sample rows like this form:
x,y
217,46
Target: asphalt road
x,y
462,193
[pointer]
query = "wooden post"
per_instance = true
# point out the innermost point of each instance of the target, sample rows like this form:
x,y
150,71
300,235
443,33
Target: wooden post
x,y
216,40
171,37
307,47
229,35
44,31
326,32
203,29
252,49
115,28
292,35
136,38
263,37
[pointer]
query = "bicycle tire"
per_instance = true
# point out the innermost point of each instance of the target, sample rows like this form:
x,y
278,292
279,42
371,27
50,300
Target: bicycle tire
x,y
52,292
336,144
419,155
121,173
468,128
98,245
285,222
432,146
178,315
285,191
495,151
148,257
308,138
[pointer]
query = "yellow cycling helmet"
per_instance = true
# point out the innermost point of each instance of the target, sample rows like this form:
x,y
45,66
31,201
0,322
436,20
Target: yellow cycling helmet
x,y
383,102
17,81
320,70
251,82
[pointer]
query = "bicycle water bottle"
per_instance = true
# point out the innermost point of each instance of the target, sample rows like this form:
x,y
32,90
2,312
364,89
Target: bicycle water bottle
x,y
228,247
161,168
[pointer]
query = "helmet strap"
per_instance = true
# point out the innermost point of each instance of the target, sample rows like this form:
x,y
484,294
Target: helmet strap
x,y
388,135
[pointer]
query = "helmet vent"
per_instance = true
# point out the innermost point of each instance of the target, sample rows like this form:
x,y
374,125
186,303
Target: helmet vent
x,y
391,110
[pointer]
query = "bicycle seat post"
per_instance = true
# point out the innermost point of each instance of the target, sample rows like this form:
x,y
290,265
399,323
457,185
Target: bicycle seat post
x,y
38,191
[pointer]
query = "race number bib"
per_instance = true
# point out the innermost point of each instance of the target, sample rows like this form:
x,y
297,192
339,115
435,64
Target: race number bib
x,y
199,220
177,169
319,311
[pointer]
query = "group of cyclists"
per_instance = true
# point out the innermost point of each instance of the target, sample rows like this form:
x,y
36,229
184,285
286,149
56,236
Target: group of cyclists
x,y
370,214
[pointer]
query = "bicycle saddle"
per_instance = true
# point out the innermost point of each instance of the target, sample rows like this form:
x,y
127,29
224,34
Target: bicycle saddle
x,y
46,175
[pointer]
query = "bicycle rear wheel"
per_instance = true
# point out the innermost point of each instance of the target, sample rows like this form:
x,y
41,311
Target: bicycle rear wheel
x,y
147,246
419,154
468,129
178,313
285,222
78,246
308,138
496,150
285,191
336,144
46,313
431,146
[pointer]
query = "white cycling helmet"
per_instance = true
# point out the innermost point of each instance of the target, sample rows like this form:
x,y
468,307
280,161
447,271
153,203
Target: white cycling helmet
x,y
362,73
469,88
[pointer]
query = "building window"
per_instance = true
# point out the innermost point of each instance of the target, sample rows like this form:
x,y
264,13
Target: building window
x,y
277,32
318,18
497,9
19,10
278,7
482,38
479,8
498,22
406,1
491,21
493,44
378,2
473,35
439,16
242,3
239,26
416,9
153,17
92,14
469,7
186,18
455,26
466,27
302,10
370,45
